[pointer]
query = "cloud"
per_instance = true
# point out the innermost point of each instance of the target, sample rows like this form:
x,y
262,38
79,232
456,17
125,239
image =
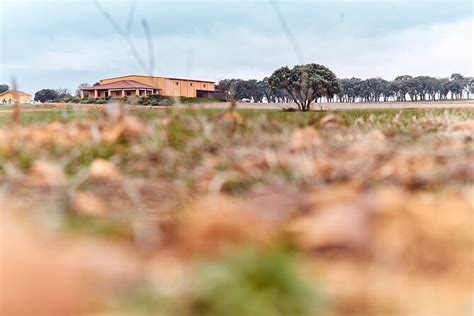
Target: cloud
x,y
248,50
436,49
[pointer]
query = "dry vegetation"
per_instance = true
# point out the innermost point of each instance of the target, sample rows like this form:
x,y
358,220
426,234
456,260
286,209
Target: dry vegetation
x,y
210,212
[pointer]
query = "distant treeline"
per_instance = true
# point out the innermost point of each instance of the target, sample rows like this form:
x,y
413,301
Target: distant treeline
x,y
402,88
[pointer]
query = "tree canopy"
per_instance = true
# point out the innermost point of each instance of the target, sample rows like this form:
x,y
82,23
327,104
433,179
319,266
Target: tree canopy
x,y
46,95
4,87
404,88
256,90
290,85
305,83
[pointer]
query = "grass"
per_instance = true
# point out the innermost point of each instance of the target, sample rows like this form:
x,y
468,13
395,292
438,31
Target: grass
x,y
48,115
268,281
192,135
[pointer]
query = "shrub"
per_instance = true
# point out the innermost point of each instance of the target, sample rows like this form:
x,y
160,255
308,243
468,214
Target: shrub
x,y
143,100
73,100
87,101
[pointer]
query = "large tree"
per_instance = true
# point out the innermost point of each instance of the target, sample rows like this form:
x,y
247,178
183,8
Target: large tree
x,y
63,94
229,87
305,83
46,95
4,87
80,87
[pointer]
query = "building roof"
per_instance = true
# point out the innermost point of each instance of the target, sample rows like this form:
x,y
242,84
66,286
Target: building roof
x,y
123,84
18,93
171,78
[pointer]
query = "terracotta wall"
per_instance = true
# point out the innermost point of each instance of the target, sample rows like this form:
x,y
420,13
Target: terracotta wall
x,y
169,86
9,95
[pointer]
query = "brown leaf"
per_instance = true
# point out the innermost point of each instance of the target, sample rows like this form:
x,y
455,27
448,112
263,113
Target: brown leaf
x,y
305,138
331,120
342,227
128,128
464,126
101,169
47,173
87,203
214,223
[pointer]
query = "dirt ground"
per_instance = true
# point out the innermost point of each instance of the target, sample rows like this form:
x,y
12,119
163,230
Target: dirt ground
x,y
352,106
457,104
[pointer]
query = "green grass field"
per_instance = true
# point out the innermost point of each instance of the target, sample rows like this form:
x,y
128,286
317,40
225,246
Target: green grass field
x,y
48,115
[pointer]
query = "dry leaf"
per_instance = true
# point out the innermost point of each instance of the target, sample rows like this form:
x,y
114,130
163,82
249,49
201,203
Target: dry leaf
x,y
305,138
101,169
47,173
87,203
331,120
464,126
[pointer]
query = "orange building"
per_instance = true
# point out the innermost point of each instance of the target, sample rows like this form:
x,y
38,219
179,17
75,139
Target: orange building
x,y
136,85
8,97
120,88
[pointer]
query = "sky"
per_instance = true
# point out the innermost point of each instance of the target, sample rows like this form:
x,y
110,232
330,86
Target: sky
x,y
61,43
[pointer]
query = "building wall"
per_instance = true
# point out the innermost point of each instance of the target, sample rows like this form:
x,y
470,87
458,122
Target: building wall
x,y
9,95
169,86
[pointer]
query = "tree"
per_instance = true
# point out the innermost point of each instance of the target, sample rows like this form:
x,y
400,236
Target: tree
x,y
461,84
444,90
350,89
63,94
246,89
305,83
470,88
46,95
4,87
229,87
402,87
266,90
81,86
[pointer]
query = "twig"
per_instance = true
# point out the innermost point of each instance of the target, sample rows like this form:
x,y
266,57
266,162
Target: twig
x,y
124,34
286,29
151,50
16,103
131,14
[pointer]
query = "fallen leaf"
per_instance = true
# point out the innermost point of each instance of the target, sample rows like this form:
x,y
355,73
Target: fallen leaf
x,y
101,169
331,120
305,138
87,203
47,173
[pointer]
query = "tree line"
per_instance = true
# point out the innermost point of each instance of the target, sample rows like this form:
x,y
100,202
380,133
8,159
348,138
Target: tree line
x,y
306,84
402,88
405,88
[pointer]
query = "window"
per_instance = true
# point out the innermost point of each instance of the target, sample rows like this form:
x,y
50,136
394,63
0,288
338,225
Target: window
x,y
191,84
177,83
204,85
129,93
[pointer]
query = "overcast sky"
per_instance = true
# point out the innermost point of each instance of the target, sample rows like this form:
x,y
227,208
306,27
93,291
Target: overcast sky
x,y
53,44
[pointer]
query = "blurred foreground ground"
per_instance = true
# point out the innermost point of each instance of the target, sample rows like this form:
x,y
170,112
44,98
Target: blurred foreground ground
x,y
214,212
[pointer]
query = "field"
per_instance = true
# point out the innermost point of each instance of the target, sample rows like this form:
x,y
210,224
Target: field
x,y
212,211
